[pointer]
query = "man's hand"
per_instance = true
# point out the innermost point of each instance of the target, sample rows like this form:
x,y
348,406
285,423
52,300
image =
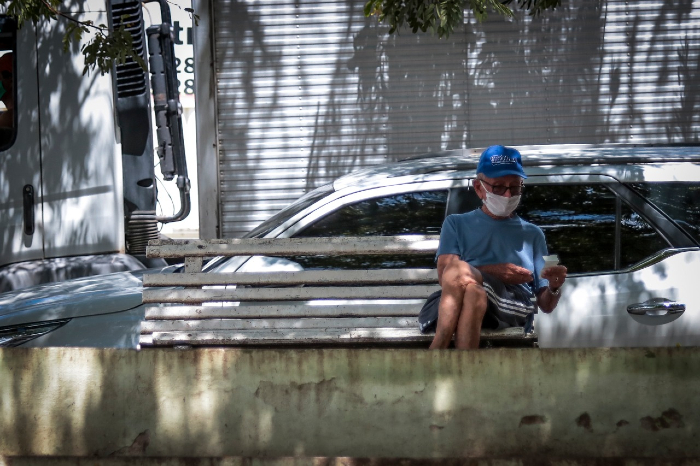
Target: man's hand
x,y
508,273
556,275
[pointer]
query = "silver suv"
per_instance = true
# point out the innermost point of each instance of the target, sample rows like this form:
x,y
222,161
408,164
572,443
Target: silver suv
x,y
624,220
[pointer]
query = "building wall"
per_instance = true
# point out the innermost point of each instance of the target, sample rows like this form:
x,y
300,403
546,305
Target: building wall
x,y
305,91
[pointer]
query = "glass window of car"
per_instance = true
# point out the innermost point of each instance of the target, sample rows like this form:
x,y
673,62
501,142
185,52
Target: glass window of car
x,y
290,211
680,201
226,264
589,227
420,213
8,118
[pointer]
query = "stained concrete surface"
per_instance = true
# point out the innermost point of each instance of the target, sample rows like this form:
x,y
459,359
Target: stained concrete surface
x,y
527,404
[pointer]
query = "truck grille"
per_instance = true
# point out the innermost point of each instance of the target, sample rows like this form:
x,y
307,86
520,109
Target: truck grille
x,y
131,78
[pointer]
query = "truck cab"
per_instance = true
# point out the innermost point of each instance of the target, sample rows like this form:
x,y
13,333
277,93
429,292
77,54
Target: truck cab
x,y
77,183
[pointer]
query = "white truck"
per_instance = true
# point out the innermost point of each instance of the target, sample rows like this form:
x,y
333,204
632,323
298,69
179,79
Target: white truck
x,y
77,182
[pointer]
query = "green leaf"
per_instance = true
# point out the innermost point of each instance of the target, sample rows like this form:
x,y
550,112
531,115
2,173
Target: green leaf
x,y
369,7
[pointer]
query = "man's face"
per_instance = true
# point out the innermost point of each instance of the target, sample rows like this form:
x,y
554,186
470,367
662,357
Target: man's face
x,y
498,185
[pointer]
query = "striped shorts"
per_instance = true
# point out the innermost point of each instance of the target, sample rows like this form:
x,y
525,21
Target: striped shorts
x,y
508,306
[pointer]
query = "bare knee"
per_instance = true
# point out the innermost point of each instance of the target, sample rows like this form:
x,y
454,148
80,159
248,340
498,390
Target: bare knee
x,y
458,275
475,301
470,317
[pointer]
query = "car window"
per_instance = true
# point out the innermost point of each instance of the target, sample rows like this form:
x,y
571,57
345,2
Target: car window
x,y
589,227
680,201
290,211
461,200
399,214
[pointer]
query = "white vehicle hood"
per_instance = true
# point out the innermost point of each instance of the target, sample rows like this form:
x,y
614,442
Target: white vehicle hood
x,y
99,294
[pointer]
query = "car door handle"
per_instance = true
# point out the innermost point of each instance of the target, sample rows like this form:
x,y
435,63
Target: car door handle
x,y
656,307
28,201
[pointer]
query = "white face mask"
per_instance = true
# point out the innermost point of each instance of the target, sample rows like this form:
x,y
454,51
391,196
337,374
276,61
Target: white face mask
x,y
501,206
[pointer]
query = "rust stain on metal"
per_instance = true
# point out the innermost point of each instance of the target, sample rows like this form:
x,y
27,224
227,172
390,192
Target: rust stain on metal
x,y
668,419
584,420
137,448
622,423
532,419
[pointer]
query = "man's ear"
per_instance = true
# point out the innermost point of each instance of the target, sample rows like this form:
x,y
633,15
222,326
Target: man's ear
x,y
479,188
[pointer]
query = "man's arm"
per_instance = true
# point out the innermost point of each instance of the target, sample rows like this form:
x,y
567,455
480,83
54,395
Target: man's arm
x,y
548,297
508,273
547,300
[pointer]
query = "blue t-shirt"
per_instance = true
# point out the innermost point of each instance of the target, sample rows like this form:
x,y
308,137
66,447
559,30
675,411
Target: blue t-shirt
x,y
481,240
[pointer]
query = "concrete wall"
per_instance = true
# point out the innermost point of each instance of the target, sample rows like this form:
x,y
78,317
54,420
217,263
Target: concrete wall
x,y
351,402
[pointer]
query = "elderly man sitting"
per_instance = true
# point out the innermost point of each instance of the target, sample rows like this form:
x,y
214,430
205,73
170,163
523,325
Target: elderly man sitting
x,y
490,261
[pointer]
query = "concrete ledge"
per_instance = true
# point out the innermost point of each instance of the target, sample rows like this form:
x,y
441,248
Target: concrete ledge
x,y
306,461
376,403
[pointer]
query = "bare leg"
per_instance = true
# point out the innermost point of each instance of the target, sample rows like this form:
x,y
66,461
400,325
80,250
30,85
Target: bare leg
x,y
469,323
448,317
455,280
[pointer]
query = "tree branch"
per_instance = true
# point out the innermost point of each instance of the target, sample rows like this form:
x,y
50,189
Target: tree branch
x,y
69,18
442,16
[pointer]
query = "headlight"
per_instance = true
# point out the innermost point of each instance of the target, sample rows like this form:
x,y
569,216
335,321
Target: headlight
x,y
15,335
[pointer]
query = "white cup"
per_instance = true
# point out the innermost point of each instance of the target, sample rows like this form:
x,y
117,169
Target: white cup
x,y
551,260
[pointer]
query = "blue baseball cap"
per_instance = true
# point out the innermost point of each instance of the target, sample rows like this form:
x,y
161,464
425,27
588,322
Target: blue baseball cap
x,y
497,161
